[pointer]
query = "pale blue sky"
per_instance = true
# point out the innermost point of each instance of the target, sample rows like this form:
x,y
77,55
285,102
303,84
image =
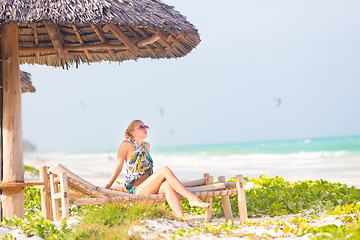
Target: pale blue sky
x,y
306,52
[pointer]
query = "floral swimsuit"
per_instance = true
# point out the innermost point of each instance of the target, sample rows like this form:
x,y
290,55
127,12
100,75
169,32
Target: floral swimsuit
x,y
140,164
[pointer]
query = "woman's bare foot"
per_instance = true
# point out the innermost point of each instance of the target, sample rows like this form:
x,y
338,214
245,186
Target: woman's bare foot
x,y
198,203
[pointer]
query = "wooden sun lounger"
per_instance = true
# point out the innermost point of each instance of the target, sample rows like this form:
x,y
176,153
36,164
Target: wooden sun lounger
x,y
74,190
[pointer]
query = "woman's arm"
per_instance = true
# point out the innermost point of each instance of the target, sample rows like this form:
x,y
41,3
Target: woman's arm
x,y
123,149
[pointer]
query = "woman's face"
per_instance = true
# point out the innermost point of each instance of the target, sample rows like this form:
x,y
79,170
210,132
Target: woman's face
x,y
140,130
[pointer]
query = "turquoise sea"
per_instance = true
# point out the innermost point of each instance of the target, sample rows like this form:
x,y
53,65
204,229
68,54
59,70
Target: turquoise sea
x,y
335,159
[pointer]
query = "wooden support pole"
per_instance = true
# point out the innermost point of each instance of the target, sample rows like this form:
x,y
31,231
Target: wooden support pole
x,y
13,166
241,198
226,203
208,210
54,188
45,194
64,195
1,130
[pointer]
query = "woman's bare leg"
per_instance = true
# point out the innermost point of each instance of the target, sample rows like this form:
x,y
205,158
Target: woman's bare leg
x,y
152,184
172,198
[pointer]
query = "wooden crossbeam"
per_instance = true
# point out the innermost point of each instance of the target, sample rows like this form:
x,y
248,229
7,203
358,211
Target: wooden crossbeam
x,y
148,41
57,39
73,48
148,47
36,37
157,45
163,37
88,56
103,40
122,37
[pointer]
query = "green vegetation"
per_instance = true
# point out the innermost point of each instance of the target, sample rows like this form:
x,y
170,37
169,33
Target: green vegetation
x,y
275,196
31,170
269,196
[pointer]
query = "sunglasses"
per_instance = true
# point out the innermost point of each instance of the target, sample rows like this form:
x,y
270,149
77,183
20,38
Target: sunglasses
x,y
143,127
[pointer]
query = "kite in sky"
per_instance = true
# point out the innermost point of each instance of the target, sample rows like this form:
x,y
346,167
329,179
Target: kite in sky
x,y
161,111
278,101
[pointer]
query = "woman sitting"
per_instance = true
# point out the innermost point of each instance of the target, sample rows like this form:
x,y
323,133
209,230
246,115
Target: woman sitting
x,y
140,178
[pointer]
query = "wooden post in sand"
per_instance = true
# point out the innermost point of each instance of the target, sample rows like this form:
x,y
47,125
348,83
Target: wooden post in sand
x,y
13,166
45,194
64,195
54,188
226,203
241,198
208,210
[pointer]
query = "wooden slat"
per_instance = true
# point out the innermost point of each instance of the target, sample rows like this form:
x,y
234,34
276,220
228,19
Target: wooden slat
x,y
103,40
81,42
210,187
57,39
226,203
194,182
19,184
122,37
36,37
133,32
73,48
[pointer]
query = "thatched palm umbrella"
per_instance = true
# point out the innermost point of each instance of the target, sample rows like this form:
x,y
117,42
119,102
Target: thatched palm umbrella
x,y
26,84
63,32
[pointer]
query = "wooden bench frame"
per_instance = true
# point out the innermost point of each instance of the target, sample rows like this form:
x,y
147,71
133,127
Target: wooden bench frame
x,y
89,194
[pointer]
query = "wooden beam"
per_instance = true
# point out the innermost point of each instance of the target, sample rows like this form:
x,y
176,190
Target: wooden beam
x,y
13,166
36,37
57,39
103,40
88,56
211,187
208,210
64,195
157,45
139,38
163,37
241,198
73,48
148,41
122,37
45,194
194,182
226,203
54,188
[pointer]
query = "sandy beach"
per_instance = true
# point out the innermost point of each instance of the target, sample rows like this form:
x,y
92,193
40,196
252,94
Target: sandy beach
x,y
279,227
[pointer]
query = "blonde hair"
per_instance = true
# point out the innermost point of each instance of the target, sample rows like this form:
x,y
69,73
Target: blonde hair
x,y
130,129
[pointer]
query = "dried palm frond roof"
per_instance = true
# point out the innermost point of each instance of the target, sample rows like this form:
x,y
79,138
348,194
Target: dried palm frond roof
x,y
60,32
26,84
